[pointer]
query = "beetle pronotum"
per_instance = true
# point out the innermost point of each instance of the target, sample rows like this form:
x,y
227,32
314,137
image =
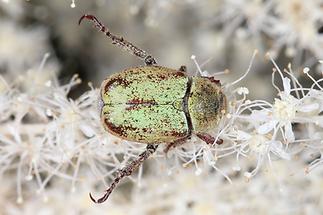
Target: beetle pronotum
x,y
153,104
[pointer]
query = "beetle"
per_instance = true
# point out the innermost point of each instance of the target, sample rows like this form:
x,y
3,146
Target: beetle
x,y
153,104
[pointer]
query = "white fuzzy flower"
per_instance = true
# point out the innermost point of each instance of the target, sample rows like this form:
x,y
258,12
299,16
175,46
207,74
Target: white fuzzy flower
x,y
260,145
286,110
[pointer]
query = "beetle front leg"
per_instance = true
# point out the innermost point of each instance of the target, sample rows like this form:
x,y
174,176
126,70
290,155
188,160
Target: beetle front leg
x,y
208,139
127,171
120,41
174,144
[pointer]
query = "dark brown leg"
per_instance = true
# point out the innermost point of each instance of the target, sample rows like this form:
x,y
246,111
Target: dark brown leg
x,y
182,68
126,171
119,41
208,138
174,144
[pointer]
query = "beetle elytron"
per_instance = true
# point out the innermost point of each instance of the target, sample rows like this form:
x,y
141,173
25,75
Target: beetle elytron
x,y
153,104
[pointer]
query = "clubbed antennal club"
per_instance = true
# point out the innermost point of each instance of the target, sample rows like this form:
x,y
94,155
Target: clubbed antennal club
x,y
148,59
127,171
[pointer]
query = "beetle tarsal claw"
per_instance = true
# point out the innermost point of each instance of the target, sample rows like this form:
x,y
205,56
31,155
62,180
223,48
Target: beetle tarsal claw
x,y
85,16
92,18
91,197
100,200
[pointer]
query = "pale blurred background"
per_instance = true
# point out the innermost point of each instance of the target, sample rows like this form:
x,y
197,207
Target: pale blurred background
x,y
222,33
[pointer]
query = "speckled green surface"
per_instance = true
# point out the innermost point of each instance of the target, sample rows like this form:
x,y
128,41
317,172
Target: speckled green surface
x,y
144,104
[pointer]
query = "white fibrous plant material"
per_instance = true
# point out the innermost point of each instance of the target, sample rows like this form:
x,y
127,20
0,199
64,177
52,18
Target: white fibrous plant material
x,y
45,135
54,150
293,24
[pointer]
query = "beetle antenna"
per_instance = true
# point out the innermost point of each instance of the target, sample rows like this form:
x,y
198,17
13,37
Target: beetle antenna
x,y
126,171
119,41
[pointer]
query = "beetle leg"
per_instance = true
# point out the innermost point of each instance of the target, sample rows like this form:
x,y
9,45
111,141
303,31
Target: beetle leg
x,y
126,171
216,81
208,138
120,41
174,144
182,68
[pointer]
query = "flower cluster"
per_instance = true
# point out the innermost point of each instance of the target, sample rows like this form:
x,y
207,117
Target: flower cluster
x,y
46,135
294,24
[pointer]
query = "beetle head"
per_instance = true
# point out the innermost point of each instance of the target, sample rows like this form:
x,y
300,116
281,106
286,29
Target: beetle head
x,y
206,103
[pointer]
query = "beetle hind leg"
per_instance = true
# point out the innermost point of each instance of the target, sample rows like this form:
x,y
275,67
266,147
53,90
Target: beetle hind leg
x,y
127,171
120,41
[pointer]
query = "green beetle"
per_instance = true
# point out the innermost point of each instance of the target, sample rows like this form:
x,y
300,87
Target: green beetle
x,y
153,104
